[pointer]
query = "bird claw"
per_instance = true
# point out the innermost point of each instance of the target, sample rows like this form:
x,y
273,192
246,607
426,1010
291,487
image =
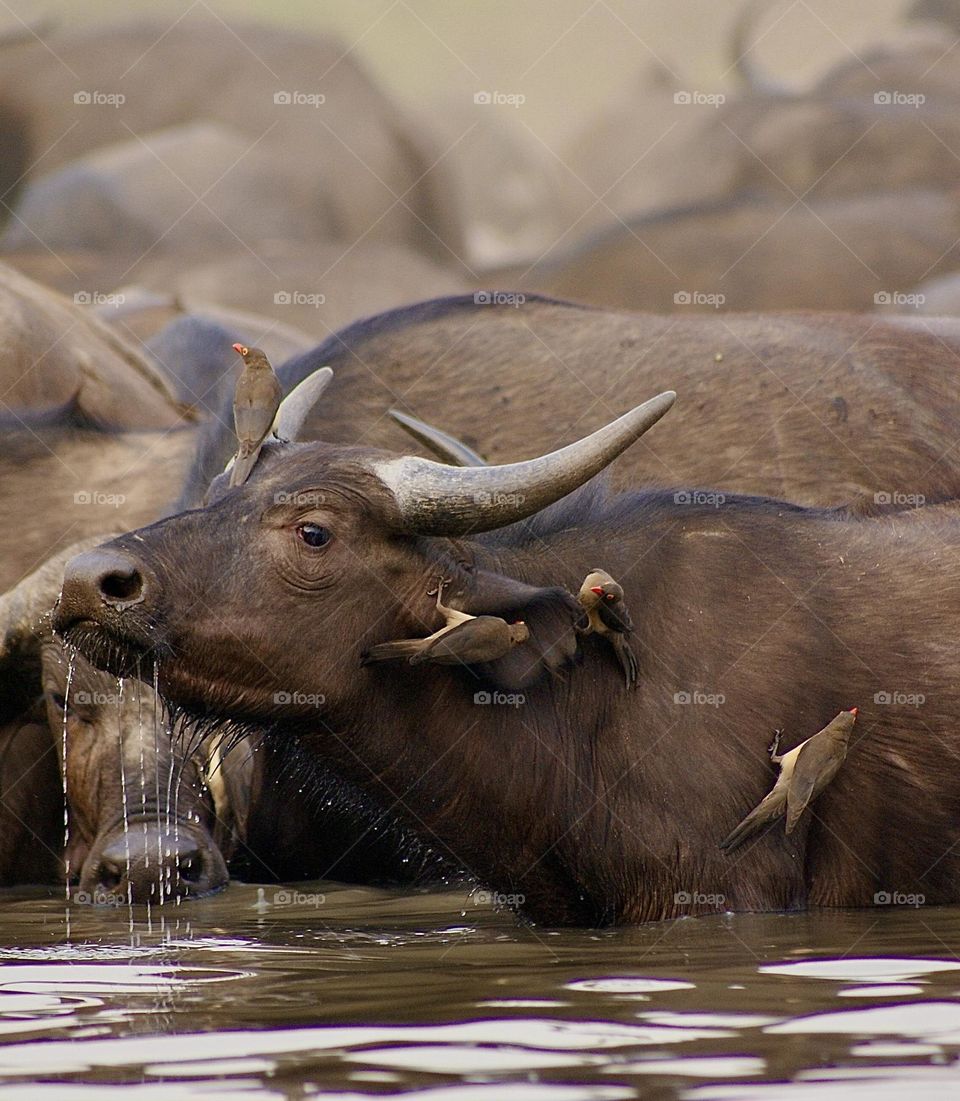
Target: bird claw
x,y
774,747
437,591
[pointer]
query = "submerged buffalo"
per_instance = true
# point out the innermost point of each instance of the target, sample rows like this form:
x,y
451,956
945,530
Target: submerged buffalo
x,y
581,801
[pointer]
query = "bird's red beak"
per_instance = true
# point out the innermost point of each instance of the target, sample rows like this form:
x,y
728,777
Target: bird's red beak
x,y
597,589
854,710
240,349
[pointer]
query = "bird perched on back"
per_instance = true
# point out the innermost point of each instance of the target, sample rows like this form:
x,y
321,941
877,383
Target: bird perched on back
x,y
255,406
804,773
602,599
463,640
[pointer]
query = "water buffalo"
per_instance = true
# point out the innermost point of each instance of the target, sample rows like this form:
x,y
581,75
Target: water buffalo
x,y
884,117
763,253
31,802
302,99
840,405
317,288
190,190
547,779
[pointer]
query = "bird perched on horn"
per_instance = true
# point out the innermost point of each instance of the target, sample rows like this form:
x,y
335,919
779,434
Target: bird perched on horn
x,y
463,640
606,615
804,773
255,404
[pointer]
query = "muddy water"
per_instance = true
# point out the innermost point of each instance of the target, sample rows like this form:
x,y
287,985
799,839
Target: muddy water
x,y
328,991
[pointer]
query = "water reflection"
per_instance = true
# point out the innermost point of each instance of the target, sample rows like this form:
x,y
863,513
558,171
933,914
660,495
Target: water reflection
x,y
382,992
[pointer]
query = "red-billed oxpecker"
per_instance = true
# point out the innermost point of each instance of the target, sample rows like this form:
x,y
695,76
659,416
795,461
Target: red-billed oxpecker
x,y
602,599
255,406
804,773
463,640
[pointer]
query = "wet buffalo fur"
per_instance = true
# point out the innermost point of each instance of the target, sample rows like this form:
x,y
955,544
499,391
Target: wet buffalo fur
x,y
593,804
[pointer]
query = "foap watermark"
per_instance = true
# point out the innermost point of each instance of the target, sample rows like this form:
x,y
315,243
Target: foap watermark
x,y
484,497
499,699
498,899
299,298
499,298
899,298
99,99
98,298
899,99
287,896
299,699
701,699
499,99
900,699
299,99
95,497
895,497
96,699
699,99
302,499
699,298
898,898
699,497
698,898
99,897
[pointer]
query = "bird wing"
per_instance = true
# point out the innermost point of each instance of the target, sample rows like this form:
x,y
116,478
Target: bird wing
x,y
626,657
817,763
254,409
770,808
391,651
482,638
615,617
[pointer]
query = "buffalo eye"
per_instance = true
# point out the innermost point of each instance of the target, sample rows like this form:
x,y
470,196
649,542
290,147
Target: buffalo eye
x,y
314,535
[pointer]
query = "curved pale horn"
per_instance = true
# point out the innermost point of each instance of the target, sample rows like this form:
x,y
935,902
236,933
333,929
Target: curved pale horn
x,y
432,499
295,407
23,607
446,447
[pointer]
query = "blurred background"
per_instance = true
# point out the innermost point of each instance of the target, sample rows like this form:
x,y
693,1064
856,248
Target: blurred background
x,y
315,163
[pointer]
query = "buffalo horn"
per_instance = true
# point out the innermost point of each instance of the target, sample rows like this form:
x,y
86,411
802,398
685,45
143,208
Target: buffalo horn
x,y
447,448
433,499
295,407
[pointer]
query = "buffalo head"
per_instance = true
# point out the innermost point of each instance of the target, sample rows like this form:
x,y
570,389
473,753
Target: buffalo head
x,y
259,605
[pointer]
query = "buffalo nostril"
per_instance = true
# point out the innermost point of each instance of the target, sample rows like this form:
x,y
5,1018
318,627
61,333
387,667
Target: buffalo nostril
x,y
121,586
191,868
109,875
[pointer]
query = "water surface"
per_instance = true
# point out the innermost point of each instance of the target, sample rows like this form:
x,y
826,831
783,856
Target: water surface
x,y
323,990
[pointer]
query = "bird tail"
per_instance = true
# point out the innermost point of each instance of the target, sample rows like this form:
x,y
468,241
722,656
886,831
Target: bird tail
x,y
766,812
391,651
242,465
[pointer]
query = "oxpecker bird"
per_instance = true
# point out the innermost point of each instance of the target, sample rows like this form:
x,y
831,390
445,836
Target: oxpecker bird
x,y
602,600
804,773
463,640
255,405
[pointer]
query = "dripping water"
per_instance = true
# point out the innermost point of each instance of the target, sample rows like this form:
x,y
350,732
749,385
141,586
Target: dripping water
x,y
71,665
156,776
123,791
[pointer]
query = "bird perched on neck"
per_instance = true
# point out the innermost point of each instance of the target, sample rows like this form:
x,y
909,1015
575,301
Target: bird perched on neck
x,y
463,640
804,772
255,405
606,615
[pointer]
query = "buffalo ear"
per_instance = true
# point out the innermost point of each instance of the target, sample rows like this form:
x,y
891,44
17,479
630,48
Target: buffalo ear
x,y
550,614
